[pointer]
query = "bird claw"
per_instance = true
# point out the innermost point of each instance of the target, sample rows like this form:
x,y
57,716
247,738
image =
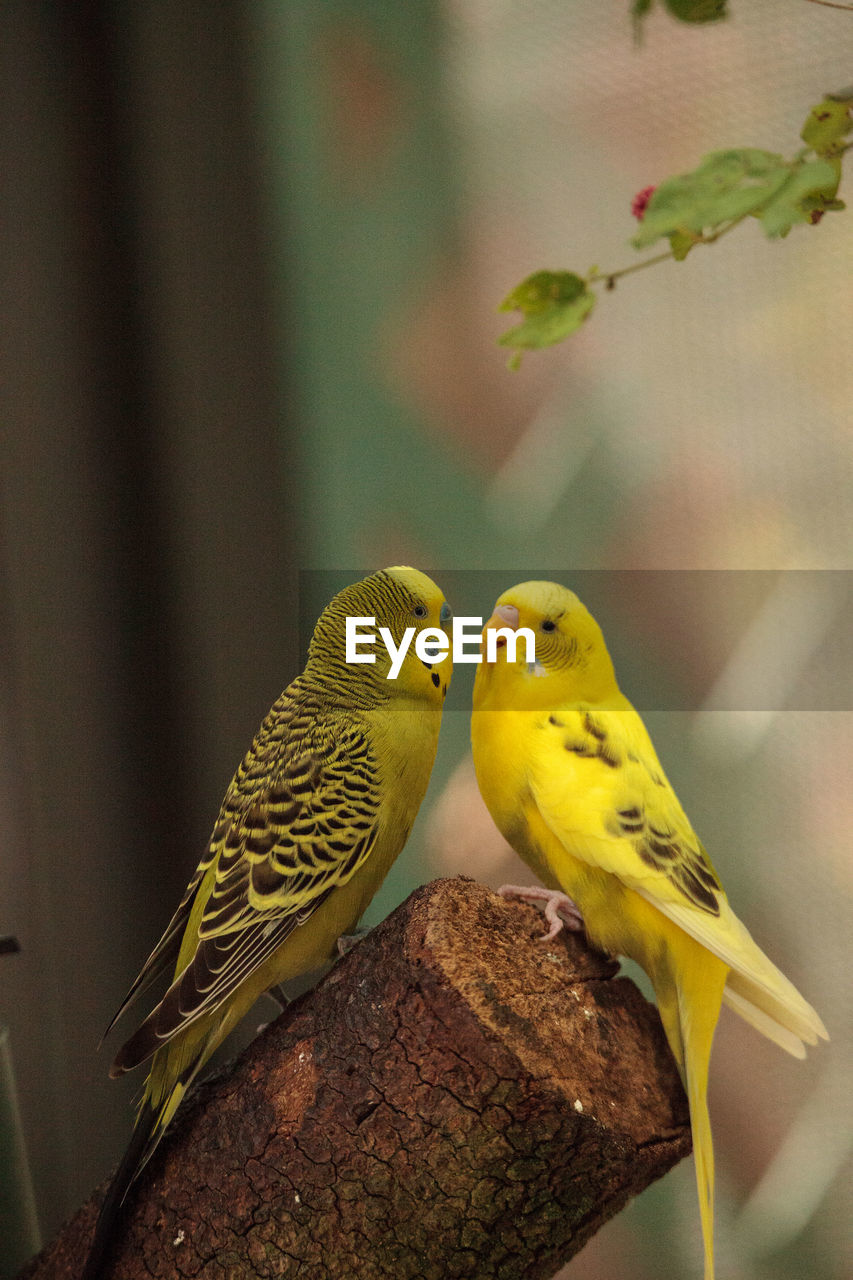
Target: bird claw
x,y
279,995
560,910
347,941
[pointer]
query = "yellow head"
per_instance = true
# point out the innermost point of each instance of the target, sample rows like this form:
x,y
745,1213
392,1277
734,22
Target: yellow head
x,y
572,663
403,601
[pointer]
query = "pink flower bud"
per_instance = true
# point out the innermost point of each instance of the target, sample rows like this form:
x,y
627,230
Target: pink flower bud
x,y
640,201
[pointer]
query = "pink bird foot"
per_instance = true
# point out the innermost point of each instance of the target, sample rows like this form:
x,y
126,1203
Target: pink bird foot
x,y
559,908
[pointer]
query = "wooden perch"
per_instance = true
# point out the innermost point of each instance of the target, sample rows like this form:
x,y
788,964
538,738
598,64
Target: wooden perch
x,y
456,1099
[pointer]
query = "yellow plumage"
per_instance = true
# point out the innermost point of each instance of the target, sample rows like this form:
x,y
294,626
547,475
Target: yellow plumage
x,y
571,778
317,812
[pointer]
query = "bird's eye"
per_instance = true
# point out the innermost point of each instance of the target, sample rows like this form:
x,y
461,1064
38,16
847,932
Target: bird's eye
x,y
420,611
549,625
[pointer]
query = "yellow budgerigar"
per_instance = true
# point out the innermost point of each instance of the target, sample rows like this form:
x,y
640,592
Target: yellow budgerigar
x,y
315,815
570,776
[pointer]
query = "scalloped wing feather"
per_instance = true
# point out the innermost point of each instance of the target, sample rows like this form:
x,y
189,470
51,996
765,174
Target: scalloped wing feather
x,y
299,819
600,788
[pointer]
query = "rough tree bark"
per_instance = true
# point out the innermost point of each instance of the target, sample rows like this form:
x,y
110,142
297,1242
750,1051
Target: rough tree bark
x,y
455,1099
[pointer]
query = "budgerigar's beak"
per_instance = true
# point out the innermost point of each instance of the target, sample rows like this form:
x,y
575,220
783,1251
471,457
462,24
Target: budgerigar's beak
x,y
505,615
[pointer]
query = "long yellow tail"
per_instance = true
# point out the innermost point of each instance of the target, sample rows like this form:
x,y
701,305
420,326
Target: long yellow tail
x,y
689,1000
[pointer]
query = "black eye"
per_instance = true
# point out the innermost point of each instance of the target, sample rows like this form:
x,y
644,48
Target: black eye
x,y
548,625
420,611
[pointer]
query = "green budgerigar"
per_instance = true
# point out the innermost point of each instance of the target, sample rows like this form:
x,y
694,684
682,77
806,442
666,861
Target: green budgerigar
x,y
315,815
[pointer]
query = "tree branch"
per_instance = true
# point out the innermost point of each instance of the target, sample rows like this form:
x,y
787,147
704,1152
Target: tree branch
x,y
455,1099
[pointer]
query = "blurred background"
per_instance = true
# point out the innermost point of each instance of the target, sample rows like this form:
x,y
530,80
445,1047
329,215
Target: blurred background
x,y
252,259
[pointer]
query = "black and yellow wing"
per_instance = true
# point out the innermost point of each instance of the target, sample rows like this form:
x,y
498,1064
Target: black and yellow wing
x,y
299,819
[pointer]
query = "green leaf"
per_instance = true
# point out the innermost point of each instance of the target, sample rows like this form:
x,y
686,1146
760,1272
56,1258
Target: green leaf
x,y
697,10
554,304
826,126
681,242
812,186
726,185
541,290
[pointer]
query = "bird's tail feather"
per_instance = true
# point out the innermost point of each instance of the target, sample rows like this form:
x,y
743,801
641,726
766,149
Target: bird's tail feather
x,y
779,1001
754,977
697,1032
689,1003
764,1022
144,1139
151,1123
